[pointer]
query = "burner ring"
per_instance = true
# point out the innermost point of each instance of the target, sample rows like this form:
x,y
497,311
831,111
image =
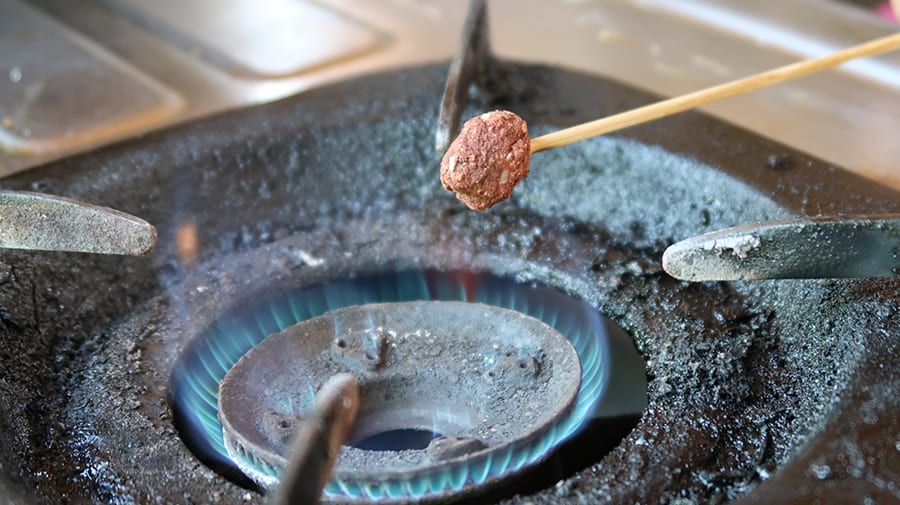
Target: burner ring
x,y
511,378
204,363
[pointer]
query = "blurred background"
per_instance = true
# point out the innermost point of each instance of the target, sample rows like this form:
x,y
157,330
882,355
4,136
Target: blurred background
x,y
72,78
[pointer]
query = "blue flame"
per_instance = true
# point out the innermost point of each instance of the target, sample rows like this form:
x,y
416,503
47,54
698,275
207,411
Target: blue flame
x,y
204,363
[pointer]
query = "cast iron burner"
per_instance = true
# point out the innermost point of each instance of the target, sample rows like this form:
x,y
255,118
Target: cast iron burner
x,y
494,380
500,385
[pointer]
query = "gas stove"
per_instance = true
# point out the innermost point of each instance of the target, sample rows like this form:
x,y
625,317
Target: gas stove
x,y
279,218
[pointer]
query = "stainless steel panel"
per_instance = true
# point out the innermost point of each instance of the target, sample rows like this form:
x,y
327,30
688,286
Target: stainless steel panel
x,y
60,92
846,116
255,38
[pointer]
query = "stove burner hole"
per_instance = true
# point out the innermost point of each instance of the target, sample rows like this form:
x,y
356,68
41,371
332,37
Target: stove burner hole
x,y
404,439
449,459
396,428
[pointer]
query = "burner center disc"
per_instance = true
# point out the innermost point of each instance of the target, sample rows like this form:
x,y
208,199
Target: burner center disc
x,y
481,378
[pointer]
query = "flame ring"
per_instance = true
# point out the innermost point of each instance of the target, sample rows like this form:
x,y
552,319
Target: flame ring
x,y
203,365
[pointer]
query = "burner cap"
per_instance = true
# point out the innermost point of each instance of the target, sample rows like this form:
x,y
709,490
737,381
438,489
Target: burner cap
x,y
479,380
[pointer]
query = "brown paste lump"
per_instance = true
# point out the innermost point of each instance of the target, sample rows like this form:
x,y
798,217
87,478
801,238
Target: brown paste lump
x,y
488,158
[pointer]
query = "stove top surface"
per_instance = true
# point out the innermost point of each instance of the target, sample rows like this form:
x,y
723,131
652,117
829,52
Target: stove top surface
x,y
780,391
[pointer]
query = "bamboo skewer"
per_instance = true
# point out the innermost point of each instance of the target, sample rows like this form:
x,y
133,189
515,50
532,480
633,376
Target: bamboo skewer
x,y
708,95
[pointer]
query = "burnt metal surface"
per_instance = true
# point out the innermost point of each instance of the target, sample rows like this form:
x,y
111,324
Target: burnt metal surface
x,y
43,222
318,442
772,392
467,67
807,248
420,365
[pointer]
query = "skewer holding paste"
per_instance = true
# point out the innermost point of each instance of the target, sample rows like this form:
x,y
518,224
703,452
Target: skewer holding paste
x,y
493,151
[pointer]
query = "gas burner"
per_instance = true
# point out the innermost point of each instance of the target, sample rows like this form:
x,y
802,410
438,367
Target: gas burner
x,y
462,372
490,384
